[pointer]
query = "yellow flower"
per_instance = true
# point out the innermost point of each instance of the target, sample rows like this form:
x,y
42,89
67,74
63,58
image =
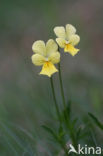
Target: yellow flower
x,y
46,55
67,38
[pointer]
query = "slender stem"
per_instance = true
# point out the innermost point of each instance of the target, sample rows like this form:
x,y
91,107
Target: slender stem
x,y
58,113
64,103
55,101
61,86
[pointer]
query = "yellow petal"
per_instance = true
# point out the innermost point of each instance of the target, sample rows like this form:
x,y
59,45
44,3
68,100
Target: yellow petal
x,y
74,40
54,57
38,59
70,30
39,47
61,42
60,32
51,47
69,48
48,69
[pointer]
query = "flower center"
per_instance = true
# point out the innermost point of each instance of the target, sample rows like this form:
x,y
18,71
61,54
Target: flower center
x,y
47,63
46,59
67,42
68,47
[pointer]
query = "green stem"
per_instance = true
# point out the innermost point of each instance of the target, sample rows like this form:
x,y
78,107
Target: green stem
x,y
58,113
61,86
64,103
74,141
55,101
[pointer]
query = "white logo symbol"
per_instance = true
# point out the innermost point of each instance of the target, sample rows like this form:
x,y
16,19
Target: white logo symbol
x,y
72,149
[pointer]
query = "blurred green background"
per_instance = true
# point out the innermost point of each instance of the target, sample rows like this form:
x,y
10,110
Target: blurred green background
x,y
25,97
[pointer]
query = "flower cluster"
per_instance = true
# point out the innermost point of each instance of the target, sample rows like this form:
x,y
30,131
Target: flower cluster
x,y
46,55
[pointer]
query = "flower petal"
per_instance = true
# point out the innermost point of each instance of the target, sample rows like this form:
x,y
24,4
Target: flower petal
x,y
48,69
51,47
69,48
70,30
61,42
38,59
39,47
60,32
74,40
54,57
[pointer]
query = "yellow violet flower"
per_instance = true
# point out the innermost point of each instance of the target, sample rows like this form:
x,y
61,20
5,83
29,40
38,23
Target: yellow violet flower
x,y
67,38
46,55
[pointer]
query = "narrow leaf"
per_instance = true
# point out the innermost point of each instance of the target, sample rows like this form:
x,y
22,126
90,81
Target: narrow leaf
x,y
97,122
49,130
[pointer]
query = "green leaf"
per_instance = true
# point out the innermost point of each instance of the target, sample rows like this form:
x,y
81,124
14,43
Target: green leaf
x,y
61,132
73,123
78,133
49,130
97,122
69,108
66,113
